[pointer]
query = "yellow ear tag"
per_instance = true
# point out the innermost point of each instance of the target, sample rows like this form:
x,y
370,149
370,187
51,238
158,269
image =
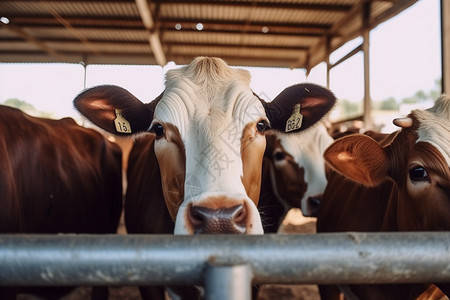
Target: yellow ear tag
x,y
295,120
122,125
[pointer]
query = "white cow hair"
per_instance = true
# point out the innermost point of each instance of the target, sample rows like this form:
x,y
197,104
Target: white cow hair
x,y
434,126
206,85
207,100
208,76
307,148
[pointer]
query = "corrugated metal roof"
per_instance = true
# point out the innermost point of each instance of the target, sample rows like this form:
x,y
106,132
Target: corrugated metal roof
x,y
277,33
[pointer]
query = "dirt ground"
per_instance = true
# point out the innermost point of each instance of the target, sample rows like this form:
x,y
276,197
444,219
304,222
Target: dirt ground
x,y
294,223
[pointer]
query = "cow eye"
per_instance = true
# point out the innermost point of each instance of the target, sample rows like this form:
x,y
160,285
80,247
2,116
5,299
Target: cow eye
x,y
279,155
157,129
262,126
418,174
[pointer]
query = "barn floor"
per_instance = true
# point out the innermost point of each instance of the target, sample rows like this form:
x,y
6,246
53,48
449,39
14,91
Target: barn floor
x,y
294,223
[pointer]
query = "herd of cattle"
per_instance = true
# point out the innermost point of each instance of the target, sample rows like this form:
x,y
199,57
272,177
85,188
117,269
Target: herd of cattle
x,y
210,157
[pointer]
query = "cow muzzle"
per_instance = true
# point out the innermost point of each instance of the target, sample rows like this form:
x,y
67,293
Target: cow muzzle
x,y
223,220
312,206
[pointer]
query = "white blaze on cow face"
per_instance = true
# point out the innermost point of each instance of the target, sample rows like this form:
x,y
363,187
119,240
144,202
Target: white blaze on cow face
x,y
206,125
307,148
428,169
435,126
433,137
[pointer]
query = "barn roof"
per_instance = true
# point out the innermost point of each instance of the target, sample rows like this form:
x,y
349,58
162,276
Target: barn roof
x,y
271,33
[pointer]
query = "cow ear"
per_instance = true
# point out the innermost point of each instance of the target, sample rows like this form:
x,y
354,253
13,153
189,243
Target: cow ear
x,y
359,158
115,109
299,106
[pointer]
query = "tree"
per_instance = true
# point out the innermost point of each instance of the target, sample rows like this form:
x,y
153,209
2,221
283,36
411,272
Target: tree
x,y
349,108
27,108
436,92
421,96
20,104
409,100
389,104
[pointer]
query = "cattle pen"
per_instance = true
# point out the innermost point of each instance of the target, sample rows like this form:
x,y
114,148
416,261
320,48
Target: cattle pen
x,y
225,265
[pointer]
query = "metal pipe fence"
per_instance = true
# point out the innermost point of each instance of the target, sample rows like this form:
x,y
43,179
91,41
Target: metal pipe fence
x,y
224,261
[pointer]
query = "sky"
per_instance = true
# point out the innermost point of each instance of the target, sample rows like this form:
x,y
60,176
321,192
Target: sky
x,y
404,58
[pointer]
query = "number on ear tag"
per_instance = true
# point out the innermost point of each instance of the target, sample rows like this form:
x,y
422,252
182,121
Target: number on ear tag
x,y
295,120
122,125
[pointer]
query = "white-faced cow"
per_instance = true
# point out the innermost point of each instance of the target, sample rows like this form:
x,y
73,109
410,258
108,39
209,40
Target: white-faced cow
x,y
208,139
287,181
399,182
294,178
293,174
56,177
205,149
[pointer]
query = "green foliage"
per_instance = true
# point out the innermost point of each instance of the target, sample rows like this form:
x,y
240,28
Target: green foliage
x,y
410,100
389,104
27,108
420,96
348,109
20,104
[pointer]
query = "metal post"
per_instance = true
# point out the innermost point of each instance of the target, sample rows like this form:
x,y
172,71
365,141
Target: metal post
x,y
228,281
327,60
445,45
84,74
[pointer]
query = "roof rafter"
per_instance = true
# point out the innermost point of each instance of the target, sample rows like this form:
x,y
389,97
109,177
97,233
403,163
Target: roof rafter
x,y
262,4
154,40
287,33
38,43
284,29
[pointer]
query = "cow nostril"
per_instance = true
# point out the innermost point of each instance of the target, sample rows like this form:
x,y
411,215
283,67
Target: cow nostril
x,y
222,220
313,204
197,216
240,215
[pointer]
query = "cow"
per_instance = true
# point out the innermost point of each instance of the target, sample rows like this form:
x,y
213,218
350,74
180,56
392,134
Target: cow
x,y
293,174
56,177
289,178
208,139
203,141
392,182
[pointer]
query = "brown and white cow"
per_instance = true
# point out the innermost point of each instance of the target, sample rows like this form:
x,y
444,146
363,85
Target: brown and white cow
x,y
284,185
208,139
56,177
290,179
293,174
401,182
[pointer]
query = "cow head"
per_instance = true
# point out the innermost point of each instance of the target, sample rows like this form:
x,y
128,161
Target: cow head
x,y
209,139
417,159
297,166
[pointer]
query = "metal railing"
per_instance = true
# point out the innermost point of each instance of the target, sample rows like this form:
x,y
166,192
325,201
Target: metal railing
x,y
225,265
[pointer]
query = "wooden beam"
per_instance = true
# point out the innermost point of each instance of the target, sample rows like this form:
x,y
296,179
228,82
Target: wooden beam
x,y
236,46
261,4
154,40
32,40
169,24
69,27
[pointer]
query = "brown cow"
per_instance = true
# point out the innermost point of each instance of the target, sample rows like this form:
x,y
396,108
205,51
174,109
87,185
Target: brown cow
x,y
56,177
401,182
205,150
